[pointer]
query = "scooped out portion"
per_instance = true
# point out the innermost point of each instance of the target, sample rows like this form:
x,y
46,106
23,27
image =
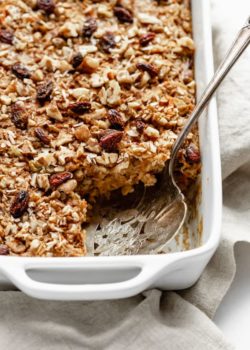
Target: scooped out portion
x,y
92,98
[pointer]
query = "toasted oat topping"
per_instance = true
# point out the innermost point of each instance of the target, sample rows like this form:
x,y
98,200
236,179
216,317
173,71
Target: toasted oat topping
x,y
92,97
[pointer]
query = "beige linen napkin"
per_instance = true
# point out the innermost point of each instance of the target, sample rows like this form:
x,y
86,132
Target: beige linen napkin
x,y
159,320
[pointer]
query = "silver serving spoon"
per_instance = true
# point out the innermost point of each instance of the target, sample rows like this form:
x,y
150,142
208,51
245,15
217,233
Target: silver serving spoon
x,y
160,211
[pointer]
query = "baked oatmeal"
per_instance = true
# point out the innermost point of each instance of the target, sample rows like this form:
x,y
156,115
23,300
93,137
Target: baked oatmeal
x,y
92,97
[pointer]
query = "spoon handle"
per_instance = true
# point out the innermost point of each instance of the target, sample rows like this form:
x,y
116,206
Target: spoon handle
x,y
236,50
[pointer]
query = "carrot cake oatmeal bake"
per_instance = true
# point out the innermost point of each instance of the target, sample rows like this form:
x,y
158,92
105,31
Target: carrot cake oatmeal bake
x,y
92,97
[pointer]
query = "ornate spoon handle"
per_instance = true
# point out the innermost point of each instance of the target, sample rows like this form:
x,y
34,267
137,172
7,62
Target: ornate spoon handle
x,y
238,47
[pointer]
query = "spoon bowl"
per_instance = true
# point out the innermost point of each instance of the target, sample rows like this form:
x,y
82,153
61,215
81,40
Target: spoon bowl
x,y
148,219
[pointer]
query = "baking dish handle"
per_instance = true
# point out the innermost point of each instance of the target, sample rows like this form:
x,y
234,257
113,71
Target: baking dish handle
x,y
148,273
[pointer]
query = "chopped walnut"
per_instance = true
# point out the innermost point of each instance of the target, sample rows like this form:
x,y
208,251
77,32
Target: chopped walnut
x,y
89,64
53,112
82,133
152,132
68,186
70,30
113,93
97,81
146,18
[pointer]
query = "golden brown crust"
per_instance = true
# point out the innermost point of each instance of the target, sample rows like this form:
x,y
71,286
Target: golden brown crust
x,y
74,62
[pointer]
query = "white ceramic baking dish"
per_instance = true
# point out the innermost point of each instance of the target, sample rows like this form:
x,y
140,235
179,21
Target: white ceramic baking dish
x,y
91,278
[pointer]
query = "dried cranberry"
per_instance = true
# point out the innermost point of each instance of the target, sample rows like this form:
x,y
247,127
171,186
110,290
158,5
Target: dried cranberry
x,y
46,5
89,27
4,250
107,42
44,91
163,2
123,15
110,140
19,204
80,107
19,116
6,36
149,68
193,154
42,136
140,125
145,39
77,60
58,179
20,71
115,119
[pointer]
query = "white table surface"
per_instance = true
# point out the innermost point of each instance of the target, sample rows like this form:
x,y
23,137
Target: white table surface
x,y
233,315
